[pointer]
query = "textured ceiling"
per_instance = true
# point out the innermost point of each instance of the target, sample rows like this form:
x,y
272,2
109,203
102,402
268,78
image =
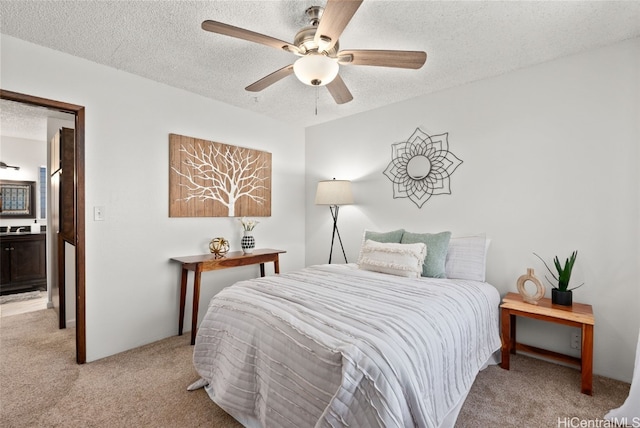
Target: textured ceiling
x,y
465,41
26,121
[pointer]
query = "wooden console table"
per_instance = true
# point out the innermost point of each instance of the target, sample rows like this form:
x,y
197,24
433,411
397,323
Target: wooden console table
x,y
207,262
578,315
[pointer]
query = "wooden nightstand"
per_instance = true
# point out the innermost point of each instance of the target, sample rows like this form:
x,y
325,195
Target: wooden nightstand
x,y
578,315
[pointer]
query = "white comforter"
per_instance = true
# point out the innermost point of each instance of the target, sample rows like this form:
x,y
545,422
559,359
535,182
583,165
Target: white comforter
x,y
333,345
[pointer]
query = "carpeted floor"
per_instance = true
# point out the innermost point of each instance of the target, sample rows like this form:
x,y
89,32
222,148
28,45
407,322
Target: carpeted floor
x,y
535,393
42,386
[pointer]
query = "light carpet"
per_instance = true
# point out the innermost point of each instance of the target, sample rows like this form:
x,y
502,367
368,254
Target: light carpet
x,y
42,386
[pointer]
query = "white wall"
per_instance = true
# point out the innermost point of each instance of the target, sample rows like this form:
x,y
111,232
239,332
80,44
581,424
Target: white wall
x,y
132,287
550,164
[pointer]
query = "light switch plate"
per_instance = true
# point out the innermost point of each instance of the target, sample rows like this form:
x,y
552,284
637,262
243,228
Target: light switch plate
x,y
98,213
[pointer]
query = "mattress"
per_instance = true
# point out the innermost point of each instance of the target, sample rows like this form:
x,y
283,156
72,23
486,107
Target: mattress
x,y
333,345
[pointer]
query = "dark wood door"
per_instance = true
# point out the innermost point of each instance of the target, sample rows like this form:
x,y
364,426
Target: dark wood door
x,y
67,186
63,219
79,191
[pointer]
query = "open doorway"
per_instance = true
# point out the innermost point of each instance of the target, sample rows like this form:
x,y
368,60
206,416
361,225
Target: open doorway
x,y
75,233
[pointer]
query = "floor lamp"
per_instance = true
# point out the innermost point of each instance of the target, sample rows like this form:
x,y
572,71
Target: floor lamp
x,y
334,193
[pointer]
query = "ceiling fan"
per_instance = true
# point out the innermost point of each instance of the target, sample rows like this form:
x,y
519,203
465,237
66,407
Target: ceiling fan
x,y
318,48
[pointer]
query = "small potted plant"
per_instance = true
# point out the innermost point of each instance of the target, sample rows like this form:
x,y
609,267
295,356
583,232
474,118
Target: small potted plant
x,y
561,293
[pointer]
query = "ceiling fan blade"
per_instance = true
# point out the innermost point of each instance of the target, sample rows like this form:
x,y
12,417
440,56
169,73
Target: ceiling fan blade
x,y
336,16
241,33
339,91
397,59
270,79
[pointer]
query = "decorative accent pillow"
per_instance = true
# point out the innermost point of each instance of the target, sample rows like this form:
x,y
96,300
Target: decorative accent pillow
x,y
392,236
393,258
467,257
437,245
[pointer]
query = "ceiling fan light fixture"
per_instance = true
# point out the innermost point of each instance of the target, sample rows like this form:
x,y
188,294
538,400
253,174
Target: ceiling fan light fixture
x,y
315,69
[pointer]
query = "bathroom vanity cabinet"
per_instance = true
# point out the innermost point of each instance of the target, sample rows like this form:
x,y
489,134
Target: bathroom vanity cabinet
x,y
23,262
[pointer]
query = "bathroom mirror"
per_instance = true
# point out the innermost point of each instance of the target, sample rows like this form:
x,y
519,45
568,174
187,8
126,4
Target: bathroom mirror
x,y
17,199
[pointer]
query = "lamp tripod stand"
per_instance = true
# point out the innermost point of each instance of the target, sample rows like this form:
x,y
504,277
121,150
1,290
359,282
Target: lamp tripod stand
x,y
334,213
334,193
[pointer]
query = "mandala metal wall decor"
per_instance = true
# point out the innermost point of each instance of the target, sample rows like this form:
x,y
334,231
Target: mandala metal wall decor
x,y
421,166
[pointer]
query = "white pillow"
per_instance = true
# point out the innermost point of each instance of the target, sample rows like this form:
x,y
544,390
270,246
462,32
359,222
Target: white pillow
x,y
394,236
392,258
467,258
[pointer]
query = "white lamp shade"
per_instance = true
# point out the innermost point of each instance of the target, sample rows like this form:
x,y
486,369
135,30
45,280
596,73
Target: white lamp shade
x,y
334,192
315,69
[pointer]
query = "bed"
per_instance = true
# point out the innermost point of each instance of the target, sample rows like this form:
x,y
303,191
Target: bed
x,y
338,345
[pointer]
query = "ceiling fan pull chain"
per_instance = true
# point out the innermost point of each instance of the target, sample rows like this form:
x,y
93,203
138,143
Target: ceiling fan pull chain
x,y
317,95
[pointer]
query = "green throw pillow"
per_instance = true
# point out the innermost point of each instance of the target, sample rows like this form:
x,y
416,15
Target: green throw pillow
x,y
437,246
395,236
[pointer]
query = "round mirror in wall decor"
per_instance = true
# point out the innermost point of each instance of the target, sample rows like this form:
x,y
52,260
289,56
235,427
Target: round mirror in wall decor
x,y
421,167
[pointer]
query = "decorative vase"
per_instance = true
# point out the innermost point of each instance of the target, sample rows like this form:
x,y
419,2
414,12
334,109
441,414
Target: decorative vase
x,y
540,290
564,298
248,242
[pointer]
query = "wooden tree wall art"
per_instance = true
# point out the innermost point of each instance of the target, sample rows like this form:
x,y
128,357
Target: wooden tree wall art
x,y
208,179
421,167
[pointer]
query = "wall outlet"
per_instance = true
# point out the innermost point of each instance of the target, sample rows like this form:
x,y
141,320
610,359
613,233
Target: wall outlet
x,y
576,338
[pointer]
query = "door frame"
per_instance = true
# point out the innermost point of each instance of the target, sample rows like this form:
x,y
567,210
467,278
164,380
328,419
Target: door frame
x,y
80,274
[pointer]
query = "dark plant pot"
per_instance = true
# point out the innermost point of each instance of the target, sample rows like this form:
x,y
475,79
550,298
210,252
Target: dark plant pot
x,y
564,298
